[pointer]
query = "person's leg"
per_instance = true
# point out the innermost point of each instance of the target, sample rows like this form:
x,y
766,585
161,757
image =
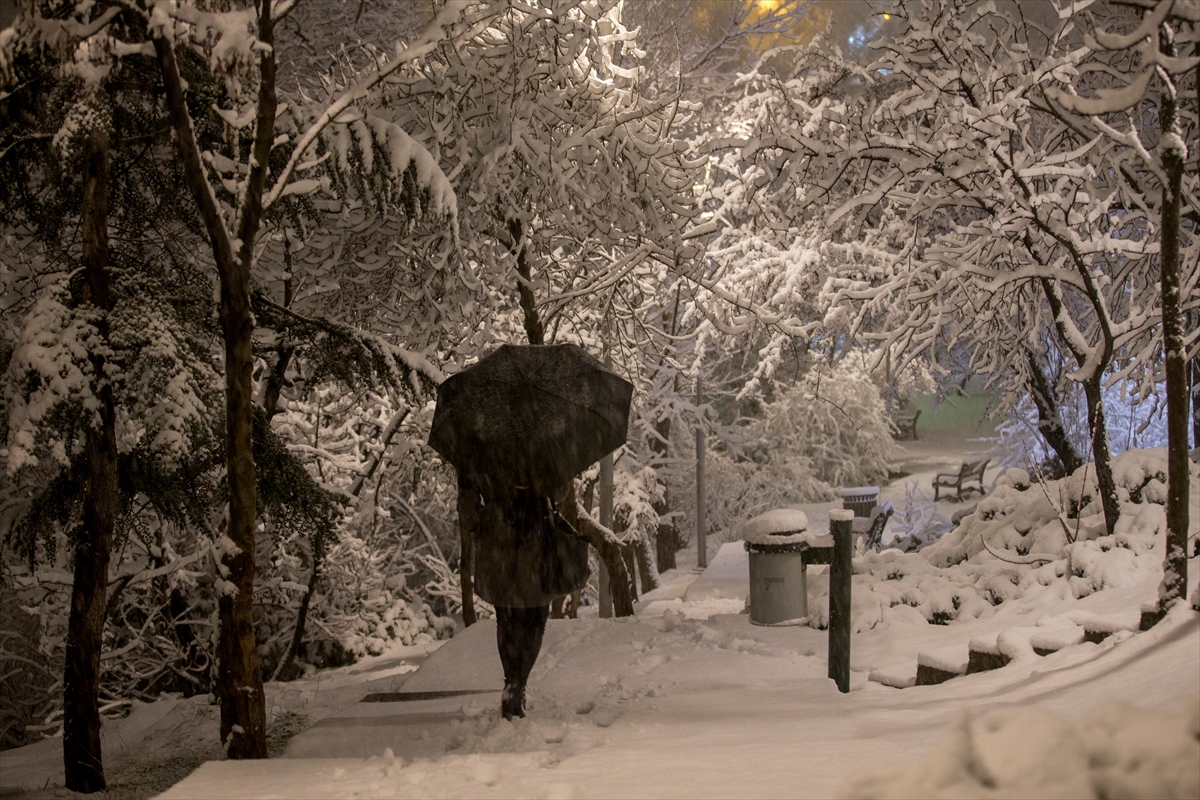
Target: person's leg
x,y
519,634
533,627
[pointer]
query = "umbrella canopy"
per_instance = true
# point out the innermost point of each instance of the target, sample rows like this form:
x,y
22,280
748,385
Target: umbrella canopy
x,y
530,415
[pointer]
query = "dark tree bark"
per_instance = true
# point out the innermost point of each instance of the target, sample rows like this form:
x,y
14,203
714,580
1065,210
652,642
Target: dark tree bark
x,y
1101,454
466,532
609,549
647,573
1049,418
534,329
239,673
666,538
275,380
629,556
1093,390
1194,363
1174,583
82,759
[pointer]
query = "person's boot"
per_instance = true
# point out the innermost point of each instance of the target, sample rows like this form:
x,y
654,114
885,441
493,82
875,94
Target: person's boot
x,y
512,701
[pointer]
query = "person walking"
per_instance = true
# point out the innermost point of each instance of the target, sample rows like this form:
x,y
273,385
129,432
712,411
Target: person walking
x,y
525,555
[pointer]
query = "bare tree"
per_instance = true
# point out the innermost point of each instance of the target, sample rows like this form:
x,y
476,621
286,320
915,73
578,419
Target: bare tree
x,y
1152,49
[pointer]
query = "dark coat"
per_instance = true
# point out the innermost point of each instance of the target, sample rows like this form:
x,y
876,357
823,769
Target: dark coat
x,y
524,558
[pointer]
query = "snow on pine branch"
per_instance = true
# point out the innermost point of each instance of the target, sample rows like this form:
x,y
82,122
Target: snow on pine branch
x,y
446,19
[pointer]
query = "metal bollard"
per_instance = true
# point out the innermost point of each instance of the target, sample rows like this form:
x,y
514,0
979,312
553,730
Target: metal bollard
x,y
841,572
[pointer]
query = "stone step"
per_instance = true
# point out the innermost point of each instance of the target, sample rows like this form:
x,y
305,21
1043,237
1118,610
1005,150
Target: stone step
x,y
997,650
939,666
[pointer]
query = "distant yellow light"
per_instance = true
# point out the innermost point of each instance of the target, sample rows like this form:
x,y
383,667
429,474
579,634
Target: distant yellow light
x,y
886,17
767,6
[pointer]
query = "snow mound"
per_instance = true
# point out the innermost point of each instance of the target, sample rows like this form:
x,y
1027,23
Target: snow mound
x,y
781,520
1114,751
1044,542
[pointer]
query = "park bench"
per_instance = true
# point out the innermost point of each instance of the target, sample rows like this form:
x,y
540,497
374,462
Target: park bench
x,y
906,423
969,471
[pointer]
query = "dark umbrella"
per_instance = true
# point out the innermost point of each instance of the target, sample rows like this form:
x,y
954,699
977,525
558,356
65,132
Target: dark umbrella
x,y
530,415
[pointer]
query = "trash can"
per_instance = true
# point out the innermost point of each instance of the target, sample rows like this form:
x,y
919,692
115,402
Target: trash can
x,y
778,585
860,499
776,542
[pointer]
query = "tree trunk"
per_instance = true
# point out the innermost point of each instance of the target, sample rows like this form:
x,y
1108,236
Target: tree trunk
x,y
1049,418
273,386
239,681
1093,389
534,329
239,671
646,566
466,532
1174,583
629,556
608,548
1194,362
82,760
1100,453
666,538
239,675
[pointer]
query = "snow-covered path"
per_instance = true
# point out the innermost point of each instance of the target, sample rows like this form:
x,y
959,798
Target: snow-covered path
x,y
669,707
689,699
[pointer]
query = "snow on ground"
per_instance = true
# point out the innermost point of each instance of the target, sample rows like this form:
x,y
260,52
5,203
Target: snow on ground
x,y
689,699
671,706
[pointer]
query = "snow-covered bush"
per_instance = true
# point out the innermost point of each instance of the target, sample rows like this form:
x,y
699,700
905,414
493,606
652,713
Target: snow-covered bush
x,y
371,589
1022,541
835,422
917,521
828,430
157,634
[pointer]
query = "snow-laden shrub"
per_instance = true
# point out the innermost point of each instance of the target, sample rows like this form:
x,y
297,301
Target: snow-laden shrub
x,y
157,634
917,521
446,587
1023,541
368,607
1045,518
835,422
828,430
30,679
